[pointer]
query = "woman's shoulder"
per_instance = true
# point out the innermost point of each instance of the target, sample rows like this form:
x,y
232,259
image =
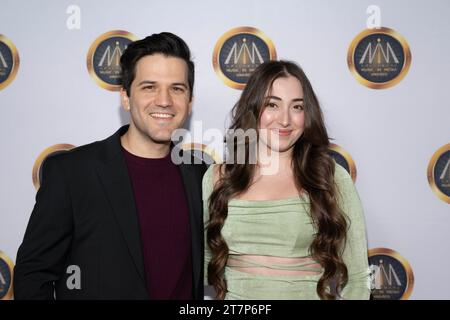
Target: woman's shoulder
x,y
210,178
348,195
343,180
212,172
341,176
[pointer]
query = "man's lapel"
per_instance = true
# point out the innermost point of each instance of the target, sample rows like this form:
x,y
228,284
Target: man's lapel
x,y
192,189
113,174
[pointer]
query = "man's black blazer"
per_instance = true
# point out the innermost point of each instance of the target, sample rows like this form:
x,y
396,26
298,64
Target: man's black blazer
x,y
85,215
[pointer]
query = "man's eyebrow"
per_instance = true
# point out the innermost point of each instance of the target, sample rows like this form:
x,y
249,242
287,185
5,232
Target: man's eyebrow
x,y
146,82
180,84
154,82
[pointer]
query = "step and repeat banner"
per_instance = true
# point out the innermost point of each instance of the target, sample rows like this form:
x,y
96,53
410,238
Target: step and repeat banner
x,y
380,70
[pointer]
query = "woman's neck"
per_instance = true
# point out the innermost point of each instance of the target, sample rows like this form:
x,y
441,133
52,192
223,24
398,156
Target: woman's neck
x,y
271,162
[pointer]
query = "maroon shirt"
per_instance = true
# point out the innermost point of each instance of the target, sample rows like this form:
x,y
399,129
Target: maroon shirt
x,y
164,224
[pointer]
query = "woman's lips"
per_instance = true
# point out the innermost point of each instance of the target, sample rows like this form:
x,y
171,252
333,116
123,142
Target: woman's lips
x,y
282,132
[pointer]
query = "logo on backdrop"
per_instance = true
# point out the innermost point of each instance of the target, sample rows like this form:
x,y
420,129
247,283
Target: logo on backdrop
x,y
53,150
203,152
9,61
238,52
439,173
6,277
391,275
379,58
103,58
343,158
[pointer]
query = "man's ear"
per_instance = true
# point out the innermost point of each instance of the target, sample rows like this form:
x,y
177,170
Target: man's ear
x,y
190,105
125,99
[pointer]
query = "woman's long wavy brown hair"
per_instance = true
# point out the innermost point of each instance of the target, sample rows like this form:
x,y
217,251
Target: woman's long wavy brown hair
x,y
314,172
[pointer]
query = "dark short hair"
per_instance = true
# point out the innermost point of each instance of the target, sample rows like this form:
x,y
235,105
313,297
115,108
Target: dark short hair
x,y
165,43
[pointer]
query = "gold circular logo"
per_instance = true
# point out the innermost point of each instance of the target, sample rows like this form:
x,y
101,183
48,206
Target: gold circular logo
x,y
237,54
391,275
6,277
344,159
379,58
439,173
55,149
103,58
203,152
9,61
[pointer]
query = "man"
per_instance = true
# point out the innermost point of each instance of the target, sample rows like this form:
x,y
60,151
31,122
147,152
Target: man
x,y
117,219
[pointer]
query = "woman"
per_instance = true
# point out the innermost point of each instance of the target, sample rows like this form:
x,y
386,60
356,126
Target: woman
x,y
289,225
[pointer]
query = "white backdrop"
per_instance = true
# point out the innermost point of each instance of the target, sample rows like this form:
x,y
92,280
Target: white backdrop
x,y
390,133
